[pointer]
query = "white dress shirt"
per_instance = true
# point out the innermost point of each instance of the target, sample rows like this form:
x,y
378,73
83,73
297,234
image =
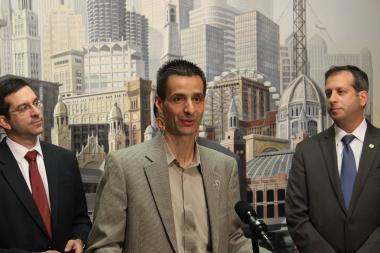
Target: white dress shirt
x,y
19,153
356,144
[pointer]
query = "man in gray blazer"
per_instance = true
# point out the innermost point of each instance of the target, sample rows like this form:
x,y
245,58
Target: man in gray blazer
x,y
170,194
333,195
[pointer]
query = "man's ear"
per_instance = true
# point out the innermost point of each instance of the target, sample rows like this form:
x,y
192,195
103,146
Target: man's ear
x,y
363,98
159,104
4,123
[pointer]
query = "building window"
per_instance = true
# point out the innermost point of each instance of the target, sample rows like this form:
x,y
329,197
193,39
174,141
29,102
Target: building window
x,y
259,196
281,194
270,196
260,212
281,210
270,211
249,196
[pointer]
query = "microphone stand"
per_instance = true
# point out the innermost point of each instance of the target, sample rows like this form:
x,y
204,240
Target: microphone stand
x,y
256,229
255,244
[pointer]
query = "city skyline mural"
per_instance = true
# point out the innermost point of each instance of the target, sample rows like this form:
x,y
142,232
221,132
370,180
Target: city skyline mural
x,y
93,64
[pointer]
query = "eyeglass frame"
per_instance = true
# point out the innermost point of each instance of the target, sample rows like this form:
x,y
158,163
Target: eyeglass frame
x,y
23,108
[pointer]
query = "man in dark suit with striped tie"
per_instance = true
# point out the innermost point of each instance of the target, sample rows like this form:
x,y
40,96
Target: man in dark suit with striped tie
x,y
333,194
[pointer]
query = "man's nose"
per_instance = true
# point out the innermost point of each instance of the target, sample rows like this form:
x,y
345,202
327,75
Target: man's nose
x,y
189,106
35,110
332,97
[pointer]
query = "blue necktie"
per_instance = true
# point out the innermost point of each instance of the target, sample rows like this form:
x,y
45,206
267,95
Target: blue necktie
x,y
348,172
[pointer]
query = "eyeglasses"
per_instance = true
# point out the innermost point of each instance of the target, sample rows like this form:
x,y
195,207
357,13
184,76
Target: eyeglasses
x,y
27,107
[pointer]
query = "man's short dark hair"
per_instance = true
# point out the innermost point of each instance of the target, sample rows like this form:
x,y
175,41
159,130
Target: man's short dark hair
x,y
7,87
360,77
180,68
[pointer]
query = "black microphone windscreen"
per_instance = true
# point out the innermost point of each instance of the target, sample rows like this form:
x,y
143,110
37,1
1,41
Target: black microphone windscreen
x,y
242,208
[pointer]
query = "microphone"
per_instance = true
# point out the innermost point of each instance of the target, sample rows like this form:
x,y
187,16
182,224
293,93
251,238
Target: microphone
x,y
248,216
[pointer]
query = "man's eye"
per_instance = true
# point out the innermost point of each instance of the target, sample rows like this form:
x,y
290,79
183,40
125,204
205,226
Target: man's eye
x,y
340,92
177,99
197,99
22,108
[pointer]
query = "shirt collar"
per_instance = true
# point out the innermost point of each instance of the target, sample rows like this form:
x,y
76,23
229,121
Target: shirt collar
x,y
19,151
359,132
170,158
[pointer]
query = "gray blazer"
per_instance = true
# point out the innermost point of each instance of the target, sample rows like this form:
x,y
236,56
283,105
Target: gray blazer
x,y
133,210
316,216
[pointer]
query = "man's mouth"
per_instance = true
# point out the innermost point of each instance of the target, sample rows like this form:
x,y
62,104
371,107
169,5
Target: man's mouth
x,y
36,122
187,122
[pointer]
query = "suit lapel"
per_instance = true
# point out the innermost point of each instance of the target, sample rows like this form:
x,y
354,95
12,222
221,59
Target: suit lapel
x,y
157,175
328,147
51,164
211,182
12,174
371,146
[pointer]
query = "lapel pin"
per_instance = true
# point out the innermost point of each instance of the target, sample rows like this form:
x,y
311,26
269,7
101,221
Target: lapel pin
x,y
371,145
216,183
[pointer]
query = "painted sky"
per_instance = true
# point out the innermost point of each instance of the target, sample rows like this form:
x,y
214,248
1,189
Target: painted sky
x,y
350,26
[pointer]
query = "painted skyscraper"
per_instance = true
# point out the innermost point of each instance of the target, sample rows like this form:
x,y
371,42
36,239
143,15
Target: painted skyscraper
x,y
106,19
204,45
136,33
171,39
217,13
26,41
155,12
6,66
263,6
62,30
258,45
42,8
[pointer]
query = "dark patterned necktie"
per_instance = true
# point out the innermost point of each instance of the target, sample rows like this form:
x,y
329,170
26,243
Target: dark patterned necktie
x,y
38,190
348,172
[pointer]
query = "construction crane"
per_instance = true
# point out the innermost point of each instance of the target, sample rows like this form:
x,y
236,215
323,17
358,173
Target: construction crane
x,y
299,37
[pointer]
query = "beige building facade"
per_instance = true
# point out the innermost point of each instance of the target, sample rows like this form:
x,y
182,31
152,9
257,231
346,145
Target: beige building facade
x,y
62,30
94,114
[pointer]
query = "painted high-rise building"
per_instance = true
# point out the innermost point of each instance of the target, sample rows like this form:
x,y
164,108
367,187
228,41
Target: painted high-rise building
x,y
26,48
68,70
171,39
257,40
109,64
62,30
136,32
6,66
263,6
42,8
155,12
287,73
204,45
106,19
217,13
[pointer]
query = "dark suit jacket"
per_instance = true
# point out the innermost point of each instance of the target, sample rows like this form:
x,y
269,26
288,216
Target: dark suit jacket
x,y
316,216
21,226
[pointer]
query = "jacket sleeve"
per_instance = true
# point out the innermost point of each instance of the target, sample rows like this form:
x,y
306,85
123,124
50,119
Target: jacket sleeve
x,y
108,231
302,231
81,221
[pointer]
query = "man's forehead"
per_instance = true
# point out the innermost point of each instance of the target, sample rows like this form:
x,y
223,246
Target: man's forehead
x,y
184,84
23,95
341,78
